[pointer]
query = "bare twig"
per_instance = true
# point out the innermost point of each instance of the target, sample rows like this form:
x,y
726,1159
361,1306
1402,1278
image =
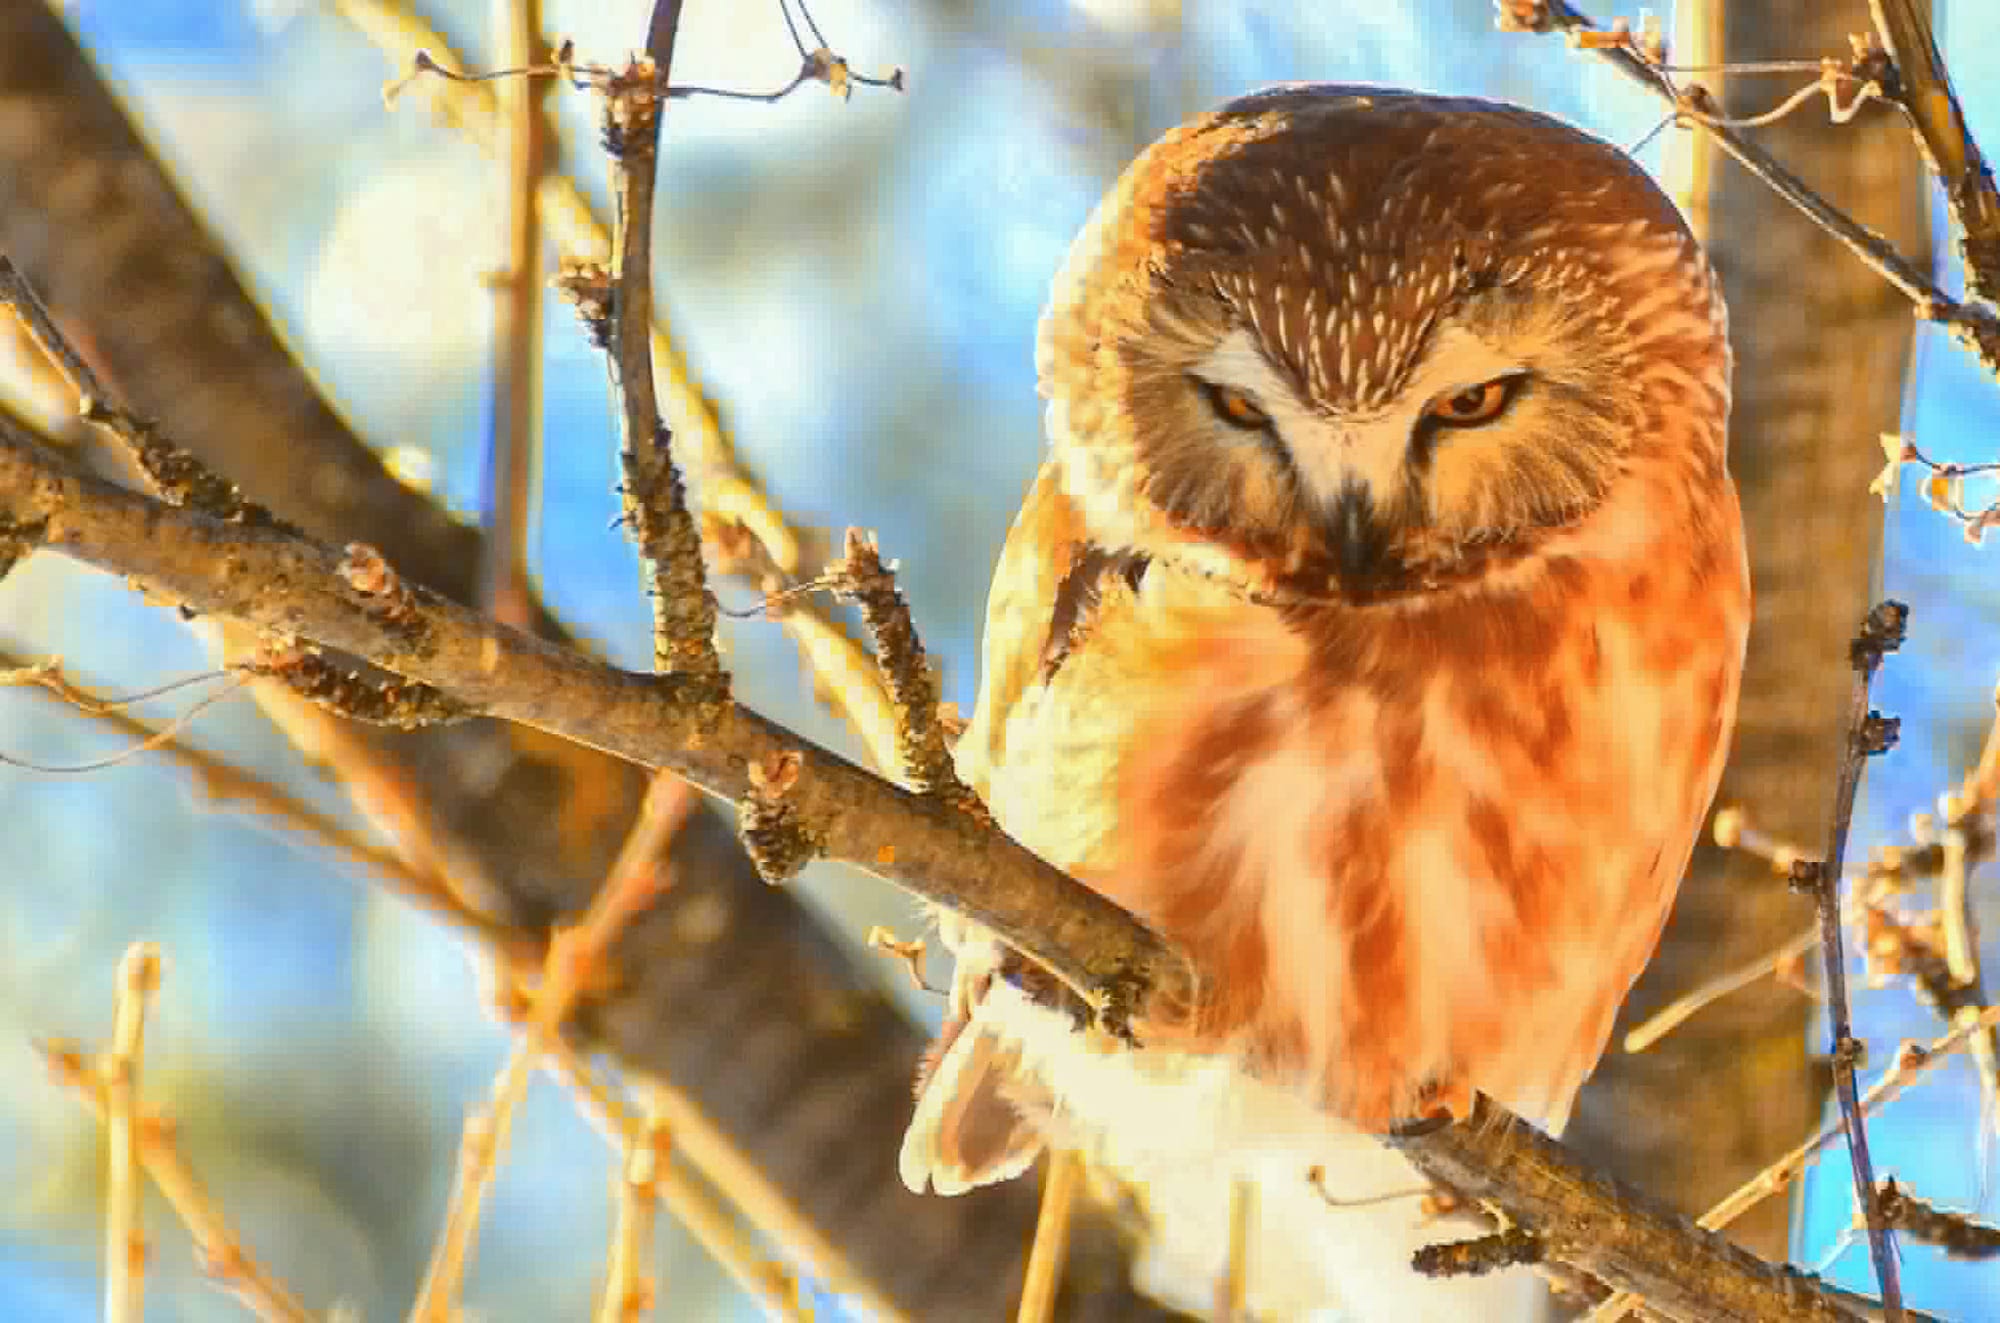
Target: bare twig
x,y
1868,734
1912,1062
1943,490
655,499
124,1239
517,327
697,1208
223,783
1959,1235
574,955
629,1293
1922,89
176,475
1232,1293
1941,958
1051,1244
1482,1254
222,1253
910,953
1976,328
744,531
708,1148
1670,1017
153,738
922,758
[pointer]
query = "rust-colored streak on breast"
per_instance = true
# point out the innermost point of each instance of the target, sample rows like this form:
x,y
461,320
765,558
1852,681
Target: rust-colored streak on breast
x,y
1370,1084
1187,883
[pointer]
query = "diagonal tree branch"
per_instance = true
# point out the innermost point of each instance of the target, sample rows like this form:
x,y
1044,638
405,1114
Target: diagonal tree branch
x,y
291,585
1977,328
1924,93
812,1102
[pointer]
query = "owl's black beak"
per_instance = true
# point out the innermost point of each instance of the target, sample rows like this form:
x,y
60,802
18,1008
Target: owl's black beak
x,y
1354,530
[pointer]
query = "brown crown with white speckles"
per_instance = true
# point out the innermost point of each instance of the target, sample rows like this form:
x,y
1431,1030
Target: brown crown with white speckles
x,y
1340,224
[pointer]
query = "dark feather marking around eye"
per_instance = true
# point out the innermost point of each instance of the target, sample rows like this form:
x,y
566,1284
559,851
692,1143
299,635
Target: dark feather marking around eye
x,y
1430,431
1077,597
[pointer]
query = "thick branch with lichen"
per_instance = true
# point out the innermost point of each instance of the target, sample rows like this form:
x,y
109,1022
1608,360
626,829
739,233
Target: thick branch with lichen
x,y
293,586
288,584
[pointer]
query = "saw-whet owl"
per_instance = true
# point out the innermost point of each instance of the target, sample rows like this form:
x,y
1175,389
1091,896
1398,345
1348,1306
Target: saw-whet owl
x,y
1372,631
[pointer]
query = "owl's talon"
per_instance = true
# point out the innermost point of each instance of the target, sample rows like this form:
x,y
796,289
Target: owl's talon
x,y
1419,1126
1439,1104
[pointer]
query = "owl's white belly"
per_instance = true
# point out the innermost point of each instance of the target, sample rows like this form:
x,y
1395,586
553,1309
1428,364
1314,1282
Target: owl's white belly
x,y
1181,1131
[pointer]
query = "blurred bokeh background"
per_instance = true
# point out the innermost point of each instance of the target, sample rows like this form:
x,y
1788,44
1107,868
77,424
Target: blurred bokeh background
x,y
856,284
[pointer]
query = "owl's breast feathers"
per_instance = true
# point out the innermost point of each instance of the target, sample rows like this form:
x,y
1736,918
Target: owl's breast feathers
x,y
1415,846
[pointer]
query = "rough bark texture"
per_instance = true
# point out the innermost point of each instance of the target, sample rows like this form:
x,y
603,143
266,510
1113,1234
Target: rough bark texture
x,y
763,1021
1822,347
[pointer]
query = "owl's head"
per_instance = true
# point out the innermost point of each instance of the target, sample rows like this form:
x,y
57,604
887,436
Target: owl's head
x,y
1357,342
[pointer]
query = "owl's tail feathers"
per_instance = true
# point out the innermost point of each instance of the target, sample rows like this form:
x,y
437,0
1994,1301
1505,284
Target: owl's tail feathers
x,y
974,1123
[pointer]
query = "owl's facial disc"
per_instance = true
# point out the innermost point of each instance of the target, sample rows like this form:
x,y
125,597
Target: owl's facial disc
x,y
1359,481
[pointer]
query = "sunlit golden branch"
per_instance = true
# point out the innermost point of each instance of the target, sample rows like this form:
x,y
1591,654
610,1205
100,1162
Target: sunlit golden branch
x,y
223,1256
573,954
124,1239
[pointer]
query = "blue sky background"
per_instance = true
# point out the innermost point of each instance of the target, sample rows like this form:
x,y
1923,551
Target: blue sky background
x,y
858,286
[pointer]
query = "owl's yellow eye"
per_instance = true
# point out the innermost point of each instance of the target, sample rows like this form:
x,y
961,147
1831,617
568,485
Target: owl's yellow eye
x,y
1473,405
1235,407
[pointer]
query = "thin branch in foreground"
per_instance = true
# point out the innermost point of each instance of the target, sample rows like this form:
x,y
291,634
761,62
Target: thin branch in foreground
x,y
506,589
1912,1063
1943,490
1677,1012
1060,1184
699,1210
223,784
1482,1254
574,956
222,1253
744,532
655,497
629,1292
1868,734
1976,328
922,757
124,1241
1959,1235
822,65
292,584
174,473
1922,90
153,738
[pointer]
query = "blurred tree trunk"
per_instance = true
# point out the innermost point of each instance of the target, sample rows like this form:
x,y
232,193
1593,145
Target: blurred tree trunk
x,y
1822,347
794,1056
